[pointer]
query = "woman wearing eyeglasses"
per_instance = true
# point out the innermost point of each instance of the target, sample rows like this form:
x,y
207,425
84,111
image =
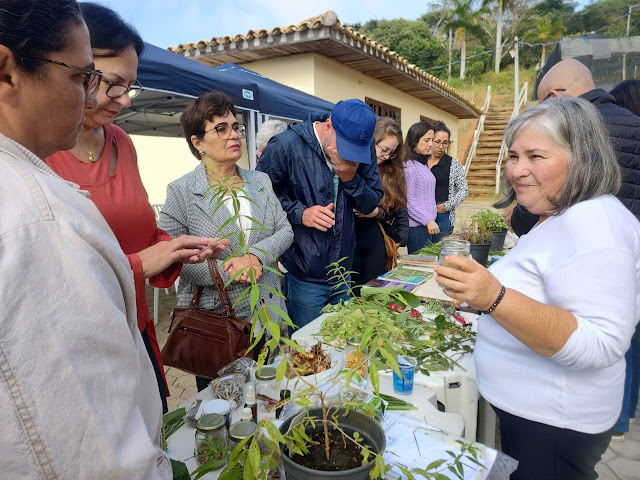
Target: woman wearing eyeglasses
x,y
104,162
370,258
451,182
202,203
78,391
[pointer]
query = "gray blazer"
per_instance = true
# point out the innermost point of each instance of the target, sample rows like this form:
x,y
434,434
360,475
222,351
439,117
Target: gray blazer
x,y
190,209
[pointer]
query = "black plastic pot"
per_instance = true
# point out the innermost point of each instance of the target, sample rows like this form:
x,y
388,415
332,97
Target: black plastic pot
x,y
366,426
480,252
497,240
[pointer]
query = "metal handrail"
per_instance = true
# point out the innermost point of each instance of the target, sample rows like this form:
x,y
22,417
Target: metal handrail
x,y
521,100
479,129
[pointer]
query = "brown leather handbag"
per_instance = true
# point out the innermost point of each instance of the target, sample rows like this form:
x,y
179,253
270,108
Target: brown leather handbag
x,y
392,248
203,341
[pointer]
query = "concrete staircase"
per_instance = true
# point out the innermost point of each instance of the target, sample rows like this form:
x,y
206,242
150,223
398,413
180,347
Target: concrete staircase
x,y
482,174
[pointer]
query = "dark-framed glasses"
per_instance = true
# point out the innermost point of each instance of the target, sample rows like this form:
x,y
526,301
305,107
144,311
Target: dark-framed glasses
x,y
391,154
91,76
445,143
116,90
224,130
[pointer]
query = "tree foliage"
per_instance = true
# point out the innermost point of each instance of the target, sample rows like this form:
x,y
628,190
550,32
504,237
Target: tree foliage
x,y
425,41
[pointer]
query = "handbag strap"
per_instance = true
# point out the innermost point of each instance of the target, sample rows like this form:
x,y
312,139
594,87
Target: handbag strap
x,y
225,301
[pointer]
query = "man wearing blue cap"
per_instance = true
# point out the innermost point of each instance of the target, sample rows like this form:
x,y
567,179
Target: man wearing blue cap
x,y
321,171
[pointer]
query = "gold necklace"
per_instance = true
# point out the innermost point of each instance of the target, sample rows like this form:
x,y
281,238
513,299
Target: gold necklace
x,y
92,157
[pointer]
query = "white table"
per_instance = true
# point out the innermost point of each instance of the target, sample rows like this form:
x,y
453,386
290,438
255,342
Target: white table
x,y
455,389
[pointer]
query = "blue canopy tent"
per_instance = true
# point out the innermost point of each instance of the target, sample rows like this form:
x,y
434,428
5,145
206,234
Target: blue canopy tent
x,y
275,99
171,81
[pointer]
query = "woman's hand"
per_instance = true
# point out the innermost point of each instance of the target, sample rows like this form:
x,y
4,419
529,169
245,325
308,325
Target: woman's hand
x,y
373,214
184,249
441,208
433,228
248,268
470,282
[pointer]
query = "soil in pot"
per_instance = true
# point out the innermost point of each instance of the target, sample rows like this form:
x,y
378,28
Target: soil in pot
x,y
342,456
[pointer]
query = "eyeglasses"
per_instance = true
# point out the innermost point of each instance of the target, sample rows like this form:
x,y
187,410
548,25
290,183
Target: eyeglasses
x,y
116,90
391,154
552,93
91,77
445,144
224,130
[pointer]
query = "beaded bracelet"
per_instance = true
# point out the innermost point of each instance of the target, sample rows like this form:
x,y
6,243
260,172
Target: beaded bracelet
x,y
495,304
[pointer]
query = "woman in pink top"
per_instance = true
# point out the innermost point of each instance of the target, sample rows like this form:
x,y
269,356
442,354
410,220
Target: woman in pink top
x,y
421,186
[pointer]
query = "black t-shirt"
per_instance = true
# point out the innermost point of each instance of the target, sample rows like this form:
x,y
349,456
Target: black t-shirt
x,y
442,171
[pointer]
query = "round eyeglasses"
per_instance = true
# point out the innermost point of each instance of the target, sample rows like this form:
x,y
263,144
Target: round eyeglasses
x,y
116,90
91,76
224,130
391,154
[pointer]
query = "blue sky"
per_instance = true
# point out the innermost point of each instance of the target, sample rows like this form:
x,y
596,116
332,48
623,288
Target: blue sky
x,y
168,23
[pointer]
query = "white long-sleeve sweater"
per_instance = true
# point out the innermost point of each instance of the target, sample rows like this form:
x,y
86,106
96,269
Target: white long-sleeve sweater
x,y
587,261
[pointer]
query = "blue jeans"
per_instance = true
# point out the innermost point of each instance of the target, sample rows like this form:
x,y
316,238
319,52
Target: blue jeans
x,y
631,384
305,300
444,224
418,236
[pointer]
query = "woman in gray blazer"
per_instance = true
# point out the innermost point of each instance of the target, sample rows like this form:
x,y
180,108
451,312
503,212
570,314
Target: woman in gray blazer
x,y
193,207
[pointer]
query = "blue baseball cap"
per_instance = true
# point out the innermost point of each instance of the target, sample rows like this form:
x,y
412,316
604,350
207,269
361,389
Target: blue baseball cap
x,y
354,122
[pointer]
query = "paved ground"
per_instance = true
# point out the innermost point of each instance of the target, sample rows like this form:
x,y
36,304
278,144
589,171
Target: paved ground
x,y
620,462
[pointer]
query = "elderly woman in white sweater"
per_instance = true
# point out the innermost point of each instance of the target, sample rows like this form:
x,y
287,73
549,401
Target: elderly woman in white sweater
x,y
560,308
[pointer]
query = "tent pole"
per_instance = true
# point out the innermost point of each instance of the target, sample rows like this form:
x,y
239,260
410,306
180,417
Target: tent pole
x,y
252,129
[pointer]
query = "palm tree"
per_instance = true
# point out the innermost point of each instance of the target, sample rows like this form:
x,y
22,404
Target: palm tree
x,y
512,7
546,30
464,20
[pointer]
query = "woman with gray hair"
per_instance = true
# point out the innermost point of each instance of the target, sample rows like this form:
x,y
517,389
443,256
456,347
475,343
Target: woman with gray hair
x,y
560,308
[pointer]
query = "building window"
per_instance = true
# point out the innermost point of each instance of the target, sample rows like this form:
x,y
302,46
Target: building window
x,y
430,121
383,109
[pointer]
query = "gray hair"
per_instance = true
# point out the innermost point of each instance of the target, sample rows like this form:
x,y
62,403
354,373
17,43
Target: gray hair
x,y
267,130
575,126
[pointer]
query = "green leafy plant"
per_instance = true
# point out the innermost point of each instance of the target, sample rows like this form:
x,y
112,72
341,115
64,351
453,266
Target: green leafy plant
x,y
491,221
382,335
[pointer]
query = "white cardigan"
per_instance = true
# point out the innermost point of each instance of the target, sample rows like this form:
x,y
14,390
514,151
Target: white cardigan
x,y
587,261
78,395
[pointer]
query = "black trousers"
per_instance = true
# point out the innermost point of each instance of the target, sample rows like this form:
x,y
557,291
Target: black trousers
x,y
550,453
156,369
370,254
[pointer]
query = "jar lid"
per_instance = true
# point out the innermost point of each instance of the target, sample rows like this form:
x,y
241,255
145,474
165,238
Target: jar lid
x,y
210,422
219,406
266,373
241,430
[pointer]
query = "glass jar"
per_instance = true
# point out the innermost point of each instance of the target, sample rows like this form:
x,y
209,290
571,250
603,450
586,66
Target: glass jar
x,y
239,431
211,439
267,392
353,357
221,407
450,247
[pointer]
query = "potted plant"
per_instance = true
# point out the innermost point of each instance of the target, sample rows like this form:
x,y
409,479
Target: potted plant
x,y
494,223
479,238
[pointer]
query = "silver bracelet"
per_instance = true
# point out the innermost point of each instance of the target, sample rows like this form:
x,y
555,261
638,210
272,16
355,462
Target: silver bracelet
x,y
495,304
